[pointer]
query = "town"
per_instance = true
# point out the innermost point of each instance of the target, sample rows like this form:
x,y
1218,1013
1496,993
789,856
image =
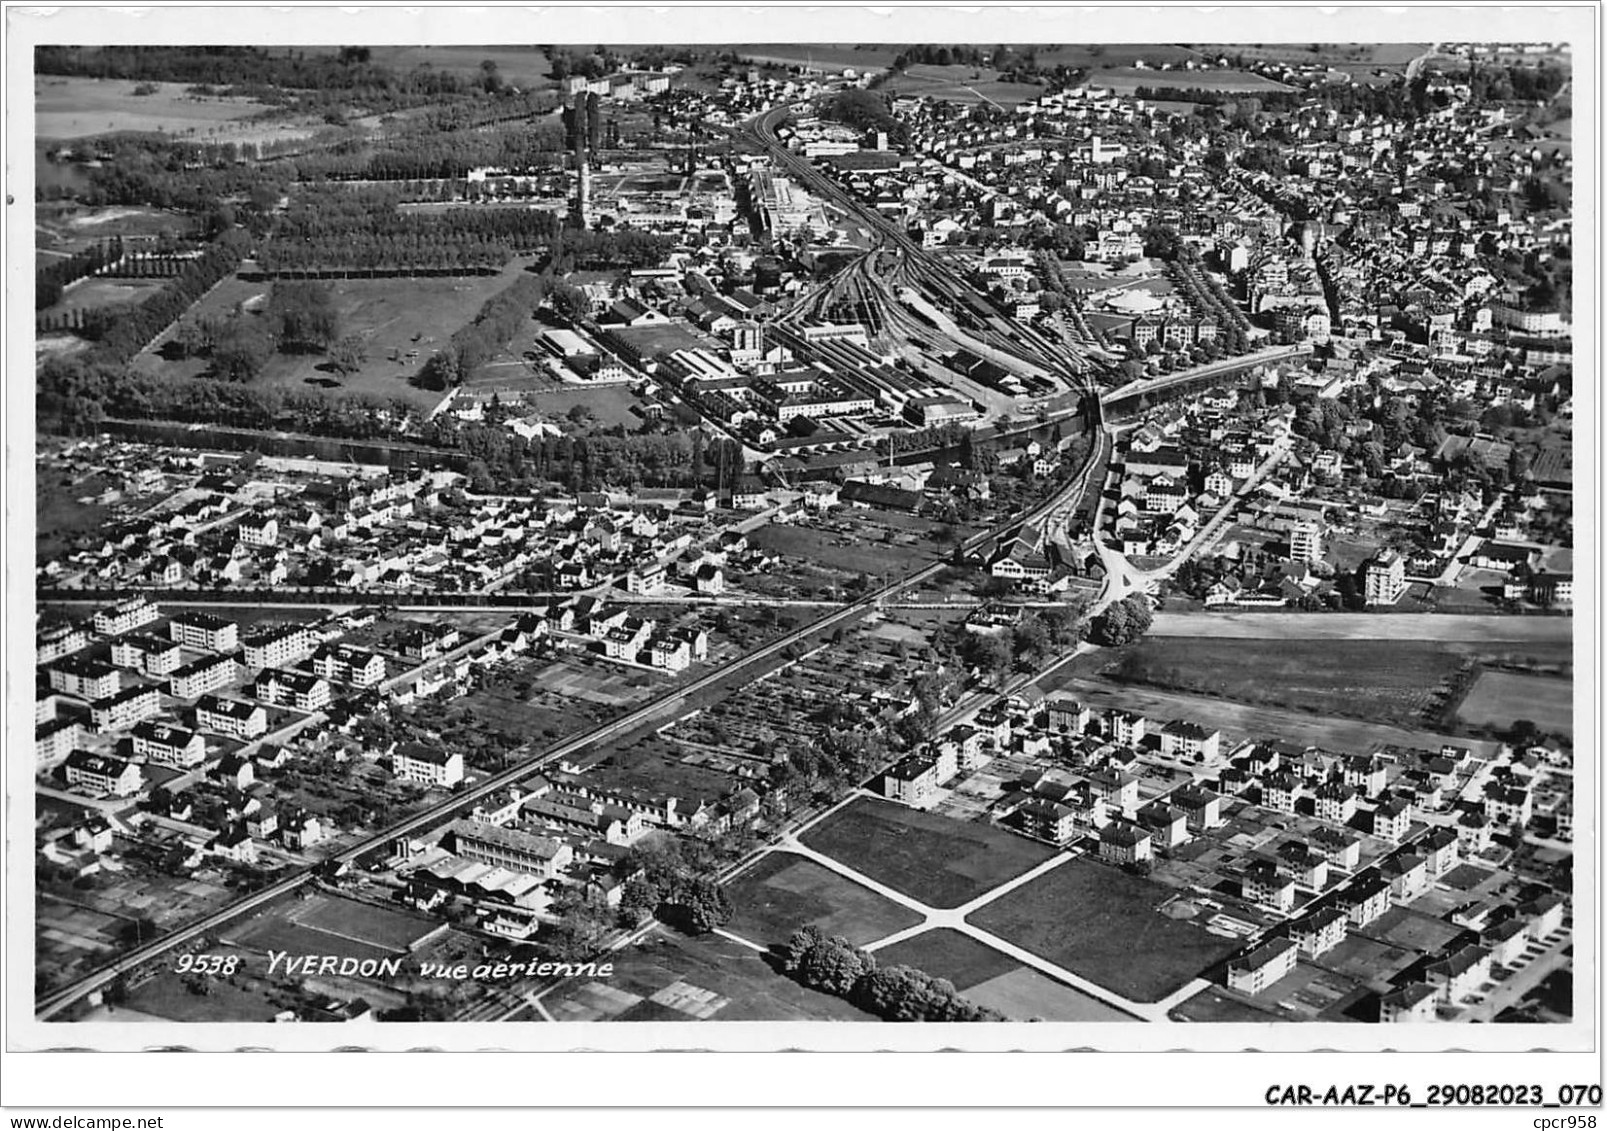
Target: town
x,y
839,533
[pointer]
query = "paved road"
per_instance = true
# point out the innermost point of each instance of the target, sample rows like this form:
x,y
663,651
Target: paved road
x,y
955,920
1443,627
1213,369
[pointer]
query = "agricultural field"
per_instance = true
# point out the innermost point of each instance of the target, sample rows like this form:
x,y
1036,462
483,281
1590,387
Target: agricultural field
x,y
936,860
1237,720
1320,54
1498,699
70,108
965,85
1104,56
1536,632
1387,683
669,977
822,56
1125,80
1104,924
784,892
524,67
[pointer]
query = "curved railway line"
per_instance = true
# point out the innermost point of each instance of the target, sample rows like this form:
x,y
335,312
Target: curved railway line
x,y
53,1003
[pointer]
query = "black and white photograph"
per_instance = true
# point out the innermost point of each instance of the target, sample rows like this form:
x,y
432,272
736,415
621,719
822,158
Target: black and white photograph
x,y
780,537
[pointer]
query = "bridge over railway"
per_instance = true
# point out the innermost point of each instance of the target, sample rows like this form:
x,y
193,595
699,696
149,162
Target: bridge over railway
x,y
1126,399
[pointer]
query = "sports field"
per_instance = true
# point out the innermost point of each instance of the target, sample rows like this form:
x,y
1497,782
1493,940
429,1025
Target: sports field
x,y
937,860
328,925
784,892
1103,923
1502,698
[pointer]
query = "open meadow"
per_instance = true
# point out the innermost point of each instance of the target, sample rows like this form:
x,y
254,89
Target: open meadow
x,y
1499,699
1104,924
937,860
670,977
1125,80
784,892
1383,682
66,109
393,317
964,84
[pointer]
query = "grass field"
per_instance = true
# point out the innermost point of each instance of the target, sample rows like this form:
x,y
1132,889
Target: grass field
x,y
609,405
937,860
1125,80
325,925
1389,682
388,314
1449,628
70,227
165,996
950,954
1097,56
1326,54
393,930
847,553
1501,698
524,67
1102,923
825,56
87,294
966,85
785,892
68,108
669,977
60,516
1237,720
1026,995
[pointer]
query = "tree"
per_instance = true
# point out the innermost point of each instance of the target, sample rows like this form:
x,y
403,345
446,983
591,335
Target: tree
x,y
834,966
803,940
1161,241
348,354
1123,622
699,907
303,314
190,339
241,348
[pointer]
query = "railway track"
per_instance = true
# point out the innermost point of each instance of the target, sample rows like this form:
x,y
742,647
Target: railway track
x,y
52,1004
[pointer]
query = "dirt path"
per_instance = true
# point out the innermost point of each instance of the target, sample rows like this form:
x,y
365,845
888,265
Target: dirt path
x,y
1363,626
